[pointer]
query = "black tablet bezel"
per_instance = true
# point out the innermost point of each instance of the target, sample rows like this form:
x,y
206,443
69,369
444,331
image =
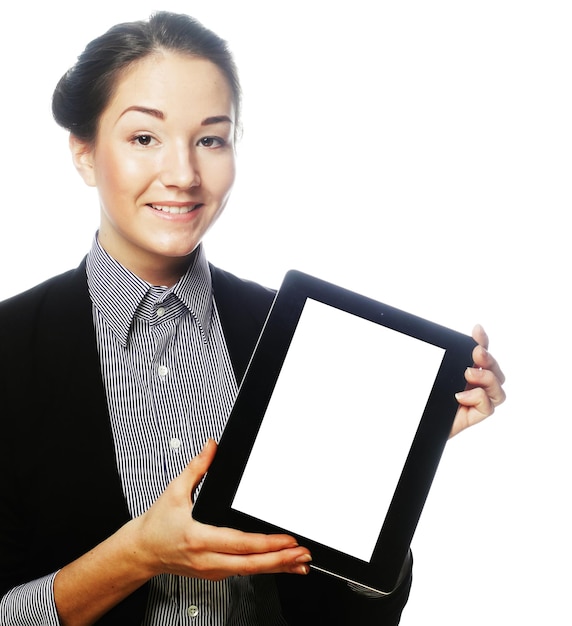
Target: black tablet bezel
x,y
214,502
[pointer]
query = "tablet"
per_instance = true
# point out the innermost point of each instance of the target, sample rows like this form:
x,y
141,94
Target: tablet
x,y
338,429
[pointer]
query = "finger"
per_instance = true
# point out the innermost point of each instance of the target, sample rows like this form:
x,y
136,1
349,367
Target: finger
x,y
475,406
237,542
484,360
207,454
216,565
482,357
294,561
198,467
480,336
486,380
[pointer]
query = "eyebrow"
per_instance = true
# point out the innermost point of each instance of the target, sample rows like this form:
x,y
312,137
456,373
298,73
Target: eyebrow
x,y
154,112
215,119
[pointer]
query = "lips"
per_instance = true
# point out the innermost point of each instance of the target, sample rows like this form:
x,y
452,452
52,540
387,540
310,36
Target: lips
x,y
176,209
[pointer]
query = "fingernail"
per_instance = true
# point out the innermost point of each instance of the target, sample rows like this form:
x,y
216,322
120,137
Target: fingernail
x,y
303,569
205,447
304,558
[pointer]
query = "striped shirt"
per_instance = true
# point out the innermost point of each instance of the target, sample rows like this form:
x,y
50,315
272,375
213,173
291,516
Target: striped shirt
x,y
170,386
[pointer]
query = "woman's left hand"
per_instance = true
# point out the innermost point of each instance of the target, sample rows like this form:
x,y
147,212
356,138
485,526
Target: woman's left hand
x,y
484,391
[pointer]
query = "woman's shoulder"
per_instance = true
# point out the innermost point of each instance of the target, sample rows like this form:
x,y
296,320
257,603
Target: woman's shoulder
x,y
225,282
243,306
52,294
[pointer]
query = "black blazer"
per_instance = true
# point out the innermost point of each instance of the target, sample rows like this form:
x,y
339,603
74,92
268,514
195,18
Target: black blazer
x,y
60,492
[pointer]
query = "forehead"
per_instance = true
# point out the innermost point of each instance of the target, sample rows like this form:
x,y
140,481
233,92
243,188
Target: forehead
x,y
176,84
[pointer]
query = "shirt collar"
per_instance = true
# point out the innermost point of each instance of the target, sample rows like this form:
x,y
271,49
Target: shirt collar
x,y
117,293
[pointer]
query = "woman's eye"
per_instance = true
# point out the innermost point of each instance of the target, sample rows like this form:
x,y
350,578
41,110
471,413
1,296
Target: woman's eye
x,y
143,140
210,142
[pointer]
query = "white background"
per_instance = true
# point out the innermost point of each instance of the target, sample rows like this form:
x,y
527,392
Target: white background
x,y
417,152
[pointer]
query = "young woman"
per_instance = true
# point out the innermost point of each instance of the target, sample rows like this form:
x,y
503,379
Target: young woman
x,y
120,372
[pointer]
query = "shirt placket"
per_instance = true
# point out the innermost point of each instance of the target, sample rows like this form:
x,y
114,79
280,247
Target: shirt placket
x,y
169,411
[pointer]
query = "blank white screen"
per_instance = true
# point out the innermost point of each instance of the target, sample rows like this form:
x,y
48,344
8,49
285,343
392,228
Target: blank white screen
x,y
338,428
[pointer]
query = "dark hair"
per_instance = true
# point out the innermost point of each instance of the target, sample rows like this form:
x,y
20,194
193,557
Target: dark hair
x,y
84,91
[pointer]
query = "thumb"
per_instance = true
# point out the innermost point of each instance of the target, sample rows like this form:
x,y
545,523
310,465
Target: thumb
x,y
197,468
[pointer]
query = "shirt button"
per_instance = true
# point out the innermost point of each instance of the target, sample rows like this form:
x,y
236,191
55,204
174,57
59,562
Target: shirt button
x,y
174,443
163,370
193,610
161,311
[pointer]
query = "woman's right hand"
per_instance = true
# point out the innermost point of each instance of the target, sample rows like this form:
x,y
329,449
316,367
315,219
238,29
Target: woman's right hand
x,y
169,540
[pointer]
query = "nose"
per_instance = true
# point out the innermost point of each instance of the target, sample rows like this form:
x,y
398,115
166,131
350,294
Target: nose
x,y
180,168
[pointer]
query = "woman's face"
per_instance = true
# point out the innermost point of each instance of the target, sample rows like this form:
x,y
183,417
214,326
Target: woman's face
x,y
163,162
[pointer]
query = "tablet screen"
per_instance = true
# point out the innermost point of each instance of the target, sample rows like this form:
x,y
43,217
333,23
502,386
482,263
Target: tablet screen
x,y
338,428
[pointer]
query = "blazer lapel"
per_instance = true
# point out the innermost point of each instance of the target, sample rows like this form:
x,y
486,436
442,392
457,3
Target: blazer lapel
x,y
85,482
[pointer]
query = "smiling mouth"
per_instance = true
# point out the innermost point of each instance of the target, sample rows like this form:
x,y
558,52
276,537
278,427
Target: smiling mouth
x,y
177,210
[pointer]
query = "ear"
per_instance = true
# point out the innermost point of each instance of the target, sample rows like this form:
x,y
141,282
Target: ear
x,y
83,158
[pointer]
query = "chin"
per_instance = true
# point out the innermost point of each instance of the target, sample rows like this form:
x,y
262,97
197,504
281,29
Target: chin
x,y
177,252
176,247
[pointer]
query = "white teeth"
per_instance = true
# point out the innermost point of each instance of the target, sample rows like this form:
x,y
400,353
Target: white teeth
x,y
174,209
